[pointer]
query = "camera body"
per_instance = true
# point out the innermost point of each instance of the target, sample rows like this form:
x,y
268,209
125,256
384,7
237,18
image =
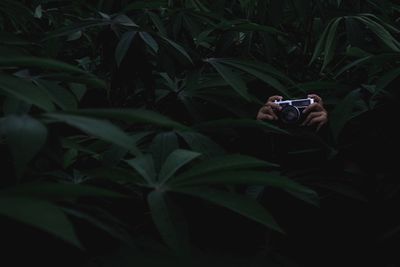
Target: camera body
x,y
292,110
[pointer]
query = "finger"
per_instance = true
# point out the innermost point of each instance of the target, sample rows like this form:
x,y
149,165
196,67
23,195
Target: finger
x,y
313,107
311,116
317,120
265,117
316,98
274,97
273,105
267,109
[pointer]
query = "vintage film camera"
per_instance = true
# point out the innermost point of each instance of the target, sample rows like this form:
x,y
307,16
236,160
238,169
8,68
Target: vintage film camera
x,y
292,110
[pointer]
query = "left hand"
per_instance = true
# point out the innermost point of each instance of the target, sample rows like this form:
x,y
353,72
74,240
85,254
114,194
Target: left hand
x,y
317,114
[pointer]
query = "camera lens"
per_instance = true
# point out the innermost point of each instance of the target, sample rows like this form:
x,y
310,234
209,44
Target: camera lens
x,y
290,114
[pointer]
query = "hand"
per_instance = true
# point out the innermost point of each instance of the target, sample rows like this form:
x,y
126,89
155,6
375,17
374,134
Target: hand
x,y
317,114
267,112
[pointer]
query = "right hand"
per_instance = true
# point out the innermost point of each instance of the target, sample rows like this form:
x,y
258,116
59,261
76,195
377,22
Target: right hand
x,y
268,111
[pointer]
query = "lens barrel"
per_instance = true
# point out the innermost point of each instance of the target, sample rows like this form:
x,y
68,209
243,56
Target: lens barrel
x,y
290,114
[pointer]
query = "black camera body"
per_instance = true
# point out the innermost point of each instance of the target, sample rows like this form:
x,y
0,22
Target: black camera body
x,y
292,110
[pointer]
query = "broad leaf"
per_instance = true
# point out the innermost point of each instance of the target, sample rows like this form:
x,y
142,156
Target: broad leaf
x,y
37,62
144,165
41,215
233,79
25,136
25,91
163,145
169,222
245,206
133,116
99,128
176,160
123,46
223,163
149,40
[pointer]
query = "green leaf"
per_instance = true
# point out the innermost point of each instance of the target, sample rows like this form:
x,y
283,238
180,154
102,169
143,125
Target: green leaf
x,y
380,32
38,12
117,175
144,165
245,206
176,160
320,43
177,47
237,176
201,143
132,116
223,163
102,220
343,112
59,95
149,41
330,43
233,79
88,80
240,123
155,4
169,222
158,23
25,136
163,145
41,215
57,191
81,26
251,26
352,64
25,91
123,46
99,128
37,62
386,79
260,74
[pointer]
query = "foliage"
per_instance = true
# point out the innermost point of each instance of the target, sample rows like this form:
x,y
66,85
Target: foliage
x,y
136,118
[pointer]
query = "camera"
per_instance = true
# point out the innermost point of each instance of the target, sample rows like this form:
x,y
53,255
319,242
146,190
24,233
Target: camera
x,y
292,110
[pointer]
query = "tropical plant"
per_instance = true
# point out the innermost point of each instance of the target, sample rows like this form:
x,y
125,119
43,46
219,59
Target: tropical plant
x,y
137,118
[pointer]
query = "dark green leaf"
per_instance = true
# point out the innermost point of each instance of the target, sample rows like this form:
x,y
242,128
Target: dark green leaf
x,y
25,136
245,206
123,46
133,116
233,79
99,128
25,91
240,123
178,48
223,163
37,62
163,145
144,165
149,41
176,160
169,222
40,214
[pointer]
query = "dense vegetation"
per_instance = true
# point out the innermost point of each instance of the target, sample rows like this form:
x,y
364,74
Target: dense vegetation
x,y
128,133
